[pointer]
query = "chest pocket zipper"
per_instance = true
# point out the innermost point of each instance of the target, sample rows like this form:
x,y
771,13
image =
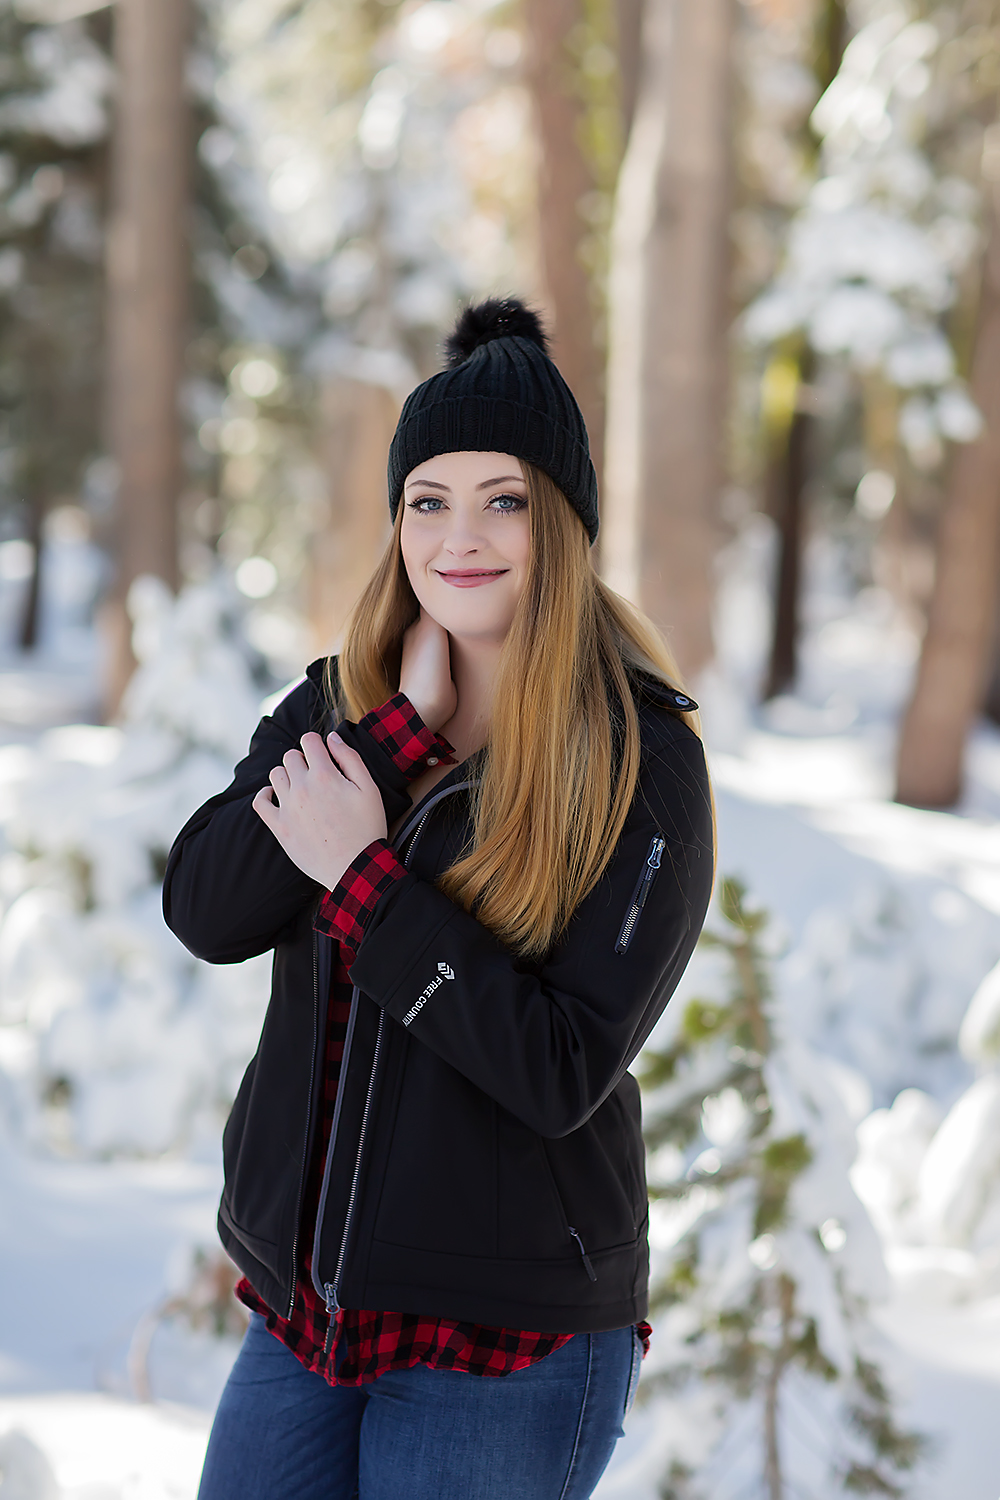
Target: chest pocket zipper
x,y
641,891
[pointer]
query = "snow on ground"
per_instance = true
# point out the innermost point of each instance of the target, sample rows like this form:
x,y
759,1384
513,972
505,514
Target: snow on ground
x,y
95,1447
891,919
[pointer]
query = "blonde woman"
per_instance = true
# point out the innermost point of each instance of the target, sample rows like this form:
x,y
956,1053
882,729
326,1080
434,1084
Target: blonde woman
x,y
481,888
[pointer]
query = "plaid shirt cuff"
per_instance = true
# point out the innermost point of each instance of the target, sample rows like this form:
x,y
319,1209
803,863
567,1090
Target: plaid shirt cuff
x,y
344,912
402,733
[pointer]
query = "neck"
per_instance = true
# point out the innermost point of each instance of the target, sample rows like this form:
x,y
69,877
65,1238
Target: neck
x,y
473,671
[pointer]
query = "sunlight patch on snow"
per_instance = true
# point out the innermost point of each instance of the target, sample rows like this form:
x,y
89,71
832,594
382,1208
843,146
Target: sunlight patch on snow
x,y
804,772
100,1448
952,1338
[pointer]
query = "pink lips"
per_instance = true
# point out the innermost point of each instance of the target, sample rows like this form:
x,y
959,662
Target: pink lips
x,y
470,578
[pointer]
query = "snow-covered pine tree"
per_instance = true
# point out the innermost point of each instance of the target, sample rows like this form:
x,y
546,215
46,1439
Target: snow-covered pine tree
x,y
114,1039
765,1260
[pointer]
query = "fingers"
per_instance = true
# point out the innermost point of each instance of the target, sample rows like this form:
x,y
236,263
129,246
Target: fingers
x,y
294,763
279,779
348,761
315,752
265,806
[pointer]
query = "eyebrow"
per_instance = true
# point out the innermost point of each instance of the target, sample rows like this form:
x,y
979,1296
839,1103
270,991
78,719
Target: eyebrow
x,y
487,484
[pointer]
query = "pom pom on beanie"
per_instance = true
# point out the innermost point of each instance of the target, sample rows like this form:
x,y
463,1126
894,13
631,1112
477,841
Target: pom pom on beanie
x,y
493,319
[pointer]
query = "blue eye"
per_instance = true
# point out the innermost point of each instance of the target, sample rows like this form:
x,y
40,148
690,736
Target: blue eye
x,y
432,505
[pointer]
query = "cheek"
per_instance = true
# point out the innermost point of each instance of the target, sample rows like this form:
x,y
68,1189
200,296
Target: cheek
x,y
413,557
519,544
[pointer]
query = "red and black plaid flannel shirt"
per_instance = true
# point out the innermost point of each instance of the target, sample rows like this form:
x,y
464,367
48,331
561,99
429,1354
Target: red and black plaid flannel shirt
x,y
370,1343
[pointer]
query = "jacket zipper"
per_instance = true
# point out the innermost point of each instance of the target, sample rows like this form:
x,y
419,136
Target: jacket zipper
x,y
305,1153
641,891
331,1289
583,1254
575,1233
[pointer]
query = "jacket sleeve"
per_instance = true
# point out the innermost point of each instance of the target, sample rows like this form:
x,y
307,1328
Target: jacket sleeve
x,y
550,1042
230,891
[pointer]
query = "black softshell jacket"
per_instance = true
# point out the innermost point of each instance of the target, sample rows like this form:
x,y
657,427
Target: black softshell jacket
x,y
486,1162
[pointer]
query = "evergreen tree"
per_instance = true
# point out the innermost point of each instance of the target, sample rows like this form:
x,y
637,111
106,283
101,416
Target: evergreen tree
x,y
767,1260
54,86
126,1043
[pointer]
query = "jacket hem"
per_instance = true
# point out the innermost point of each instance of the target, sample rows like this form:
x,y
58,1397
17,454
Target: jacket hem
x,y
263,1281
492,1292
490,1312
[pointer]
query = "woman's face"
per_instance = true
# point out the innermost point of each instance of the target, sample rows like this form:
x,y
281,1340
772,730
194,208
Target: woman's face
x,y
466,540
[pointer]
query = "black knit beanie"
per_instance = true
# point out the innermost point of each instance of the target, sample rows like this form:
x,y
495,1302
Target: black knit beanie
x,y
500,393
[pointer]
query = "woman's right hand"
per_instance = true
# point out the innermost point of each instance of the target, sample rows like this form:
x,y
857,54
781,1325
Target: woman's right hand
x,y
425,673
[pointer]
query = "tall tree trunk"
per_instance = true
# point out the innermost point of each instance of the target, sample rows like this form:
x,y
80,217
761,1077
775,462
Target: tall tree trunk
x,y
147,271
31,610
784,1289
790,476
951,677
565,177
357,423
790,469
669,312
628,25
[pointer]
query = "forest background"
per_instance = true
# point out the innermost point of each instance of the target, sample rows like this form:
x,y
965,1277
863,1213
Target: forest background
x,y
764,236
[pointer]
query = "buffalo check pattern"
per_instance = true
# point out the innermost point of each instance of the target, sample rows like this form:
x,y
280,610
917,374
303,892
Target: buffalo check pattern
x,y
400,730
344,911
361,1345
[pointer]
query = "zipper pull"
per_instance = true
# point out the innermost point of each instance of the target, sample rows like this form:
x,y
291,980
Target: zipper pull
x,y
583,1253
333,1315
656,849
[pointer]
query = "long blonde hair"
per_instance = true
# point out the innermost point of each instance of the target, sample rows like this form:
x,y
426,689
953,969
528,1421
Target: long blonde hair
x,y
562,756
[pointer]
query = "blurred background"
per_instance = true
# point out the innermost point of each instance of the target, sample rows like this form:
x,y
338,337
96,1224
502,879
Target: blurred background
x,y
765,236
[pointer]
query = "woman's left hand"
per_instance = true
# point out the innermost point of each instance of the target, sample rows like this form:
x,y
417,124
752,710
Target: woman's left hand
x,y
328,807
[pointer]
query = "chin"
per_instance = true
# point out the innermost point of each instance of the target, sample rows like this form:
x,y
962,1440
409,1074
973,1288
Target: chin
x,y
475,624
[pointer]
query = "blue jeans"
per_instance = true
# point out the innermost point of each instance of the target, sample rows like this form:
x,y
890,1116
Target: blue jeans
x,y
544,1433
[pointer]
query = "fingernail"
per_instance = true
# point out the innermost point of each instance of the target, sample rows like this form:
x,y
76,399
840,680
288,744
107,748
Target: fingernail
x,y
335,736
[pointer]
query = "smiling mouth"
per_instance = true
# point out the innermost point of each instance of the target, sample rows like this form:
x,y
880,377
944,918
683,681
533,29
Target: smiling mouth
x,y
470,577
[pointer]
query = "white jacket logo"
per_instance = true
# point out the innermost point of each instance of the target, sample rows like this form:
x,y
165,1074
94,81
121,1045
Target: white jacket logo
x,y
444,972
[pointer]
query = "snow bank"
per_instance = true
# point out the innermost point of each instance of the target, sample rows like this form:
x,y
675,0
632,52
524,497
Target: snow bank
x,y
93,1447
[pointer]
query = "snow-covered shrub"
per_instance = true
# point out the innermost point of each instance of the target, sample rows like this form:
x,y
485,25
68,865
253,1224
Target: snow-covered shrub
x,y
765,1259
881,978
25,1472
932,1184
125,1042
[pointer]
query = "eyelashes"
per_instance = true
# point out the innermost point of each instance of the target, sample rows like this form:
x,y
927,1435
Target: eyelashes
x,y
506,510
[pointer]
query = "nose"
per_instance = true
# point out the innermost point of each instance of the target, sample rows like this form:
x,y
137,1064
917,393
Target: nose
x,y
462,540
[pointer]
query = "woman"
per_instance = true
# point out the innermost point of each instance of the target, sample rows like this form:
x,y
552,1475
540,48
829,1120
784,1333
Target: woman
x,y
481,889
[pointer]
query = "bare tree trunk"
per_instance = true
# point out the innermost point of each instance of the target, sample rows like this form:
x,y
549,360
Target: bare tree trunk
x,y
785,1296
30,616
358,421
669,312
147,270
628,24
565,177
954,661
790,478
